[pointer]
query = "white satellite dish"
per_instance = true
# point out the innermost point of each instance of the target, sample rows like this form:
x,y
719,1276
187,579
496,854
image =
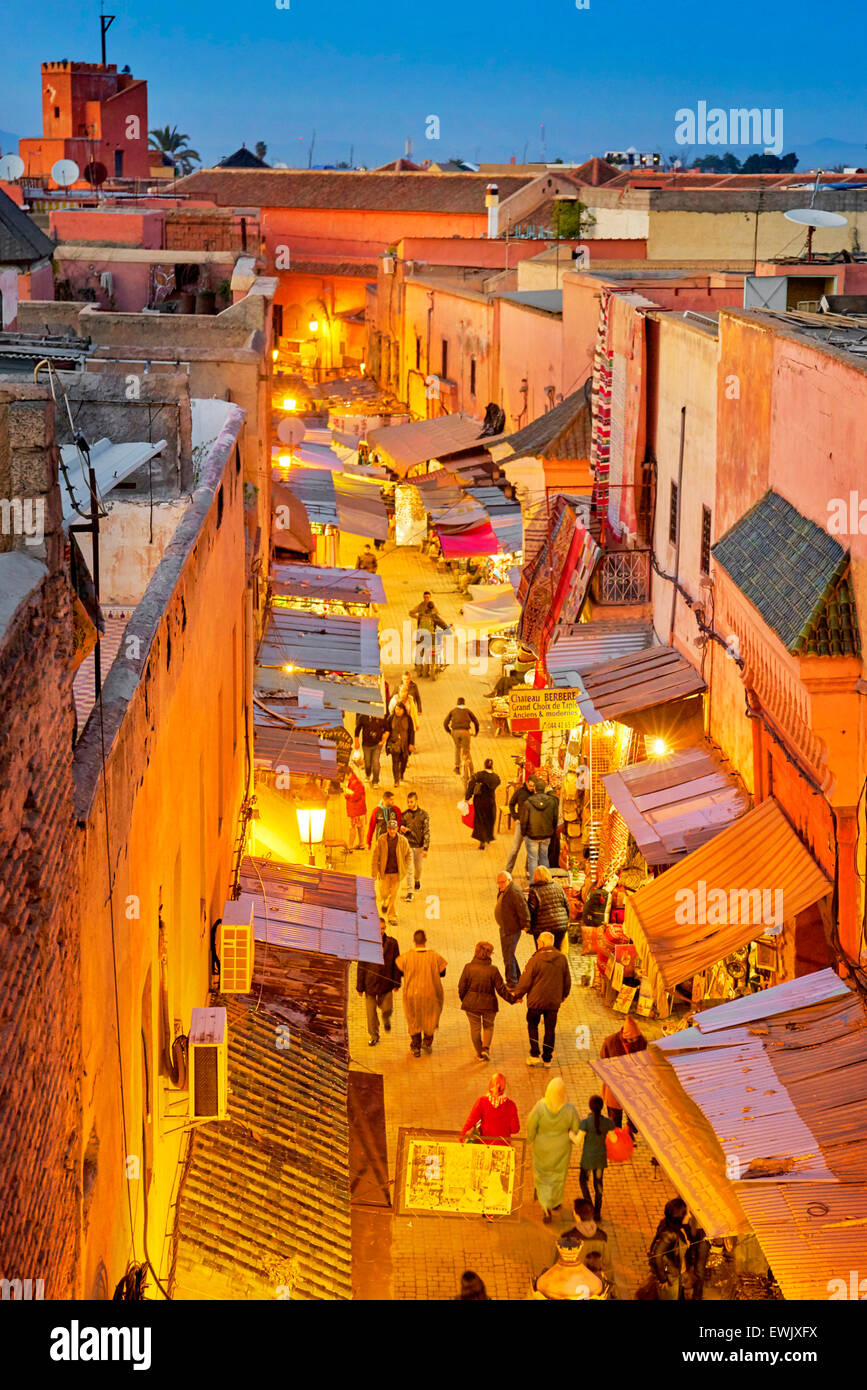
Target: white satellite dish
x,y
816,217
11,167
291,432
65,172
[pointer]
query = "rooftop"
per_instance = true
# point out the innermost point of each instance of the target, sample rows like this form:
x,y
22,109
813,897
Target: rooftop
x,y
346,189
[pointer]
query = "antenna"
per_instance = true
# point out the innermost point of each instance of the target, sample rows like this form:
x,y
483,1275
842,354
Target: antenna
x,y
811,217
310,152
105,23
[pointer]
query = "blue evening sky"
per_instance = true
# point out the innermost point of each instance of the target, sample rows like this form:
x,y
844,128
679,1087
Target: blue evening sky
x,y
367,76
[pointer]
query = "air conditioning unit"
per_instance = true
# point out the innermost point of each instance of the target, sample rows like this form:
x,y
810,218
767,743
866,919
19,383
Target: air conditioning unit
x,y
208,1061
236,945
388,265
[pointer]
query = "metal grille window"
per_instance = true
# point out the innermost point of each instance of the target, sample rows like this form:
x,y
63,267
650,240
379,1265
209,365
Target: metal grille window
x,y
672,515
472,376
445,369
624,577
705,540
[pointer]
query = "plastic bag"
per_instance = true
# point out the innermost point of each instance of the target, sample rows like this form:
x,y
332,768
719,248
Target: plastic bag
x,y
619,1144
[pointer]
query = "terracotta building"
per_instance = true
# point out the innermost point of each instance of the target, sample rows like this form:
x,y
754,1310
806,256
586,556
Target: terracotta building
x,y
93,115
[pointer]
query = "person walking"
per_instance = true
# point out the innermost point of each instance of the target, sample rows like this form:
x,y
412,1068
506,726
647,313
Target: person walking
x,y
401,741
538,821
594,1240
356,810
428,622
523,793
478,987
389,861
549,1125
371,733
668,1252
461,723
512,916
408,695
494,1114
382,813
594,1154
546,982
422,970
367,561
482,788
415,825
628,1039
472,1289
377,983
548,907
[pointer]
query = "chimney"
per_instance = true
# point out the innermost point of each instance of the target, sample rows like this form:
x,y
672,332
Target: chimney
x,y
408,149
492,203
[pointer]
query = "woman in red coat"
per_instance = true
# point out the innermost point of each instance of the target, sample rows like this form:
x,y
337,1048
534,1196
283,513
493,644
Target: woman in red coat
x,y
496,1115
356,809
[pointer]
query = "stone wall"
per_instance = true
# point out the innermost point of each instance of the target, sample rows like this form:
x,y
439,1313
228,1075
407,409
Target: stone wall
x,y
40,1018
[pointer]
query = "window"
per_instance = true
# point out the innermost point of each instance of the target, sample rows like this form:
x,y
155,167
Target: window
x,y
705,540
472,376
57,113
118,164
445,366
234,687
276,315
672,515
417,352
219,762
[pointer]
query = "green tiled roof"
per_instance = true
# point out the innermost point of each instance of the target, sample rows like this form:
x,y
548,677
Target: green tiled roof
x,y
796,575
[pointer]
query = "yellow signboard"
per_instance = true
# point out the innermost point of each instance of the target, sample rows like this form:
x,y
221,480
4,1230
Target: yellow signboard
x,y
544,709
438,1174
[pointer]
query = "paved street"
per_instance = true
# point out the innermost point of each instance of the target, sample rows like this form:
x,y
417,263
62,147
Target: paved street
x,y
429,1254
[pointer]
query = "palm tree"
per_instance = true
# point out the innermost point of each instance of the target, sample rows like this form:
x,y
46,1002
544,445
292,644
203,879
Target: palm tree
x,y
174,144
261,149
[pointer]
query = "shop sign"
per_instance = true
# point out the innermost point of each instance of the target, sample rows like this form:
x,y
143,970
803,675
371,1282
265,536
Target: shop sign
x,y
439,1174
531,710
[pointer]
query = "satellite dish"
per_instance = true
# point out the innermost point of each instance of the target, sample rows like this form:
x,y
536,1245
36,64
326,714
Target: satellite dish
x,y
65,172
11,167
95,173
816,217
291,432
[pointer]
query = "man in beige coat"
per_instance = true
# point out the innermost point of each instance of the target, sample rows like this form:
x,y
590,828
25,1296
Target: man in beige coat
x,y
390,862
422,971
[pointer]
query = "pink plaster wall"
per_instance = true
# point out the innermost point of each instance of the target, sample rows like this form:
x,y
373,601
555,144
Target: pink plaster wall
x,y
143,229
531,347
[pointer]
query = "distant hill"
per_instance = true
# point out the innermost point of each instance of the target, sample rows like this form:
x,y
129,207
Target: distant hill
x,y
823,154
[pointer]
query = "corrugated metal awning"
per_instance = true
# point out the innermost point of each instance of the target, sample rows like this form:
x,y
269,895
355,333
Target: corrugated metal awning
x,y
359,694
673,804
277,748
360,508
813,1235
314,582
314,489
405,446
310,909
574,653
641,681
311,642
752,862
679,1136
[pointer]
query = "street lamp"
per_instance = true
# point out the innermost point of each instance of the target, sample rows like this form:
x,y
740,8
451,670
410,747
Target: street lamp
x,y
313,325
311,827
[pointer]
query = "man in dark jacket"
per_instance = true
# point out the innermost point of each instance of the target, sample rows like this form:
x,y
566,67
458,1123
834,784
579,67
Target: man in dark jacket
x,y
377,983
428,623
668,1251
546,982
524,792
370,735
512,916
461,723
416,827
538,821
